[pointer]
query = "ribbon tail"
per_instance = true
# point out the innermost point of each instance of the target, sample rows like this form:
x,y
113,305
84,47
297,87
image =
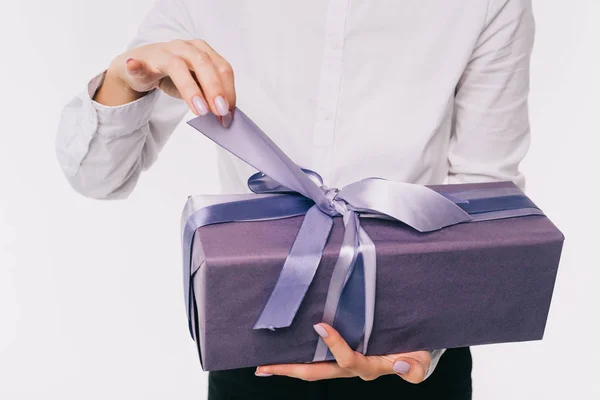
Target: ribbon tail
x,y
341,272
250,144
417,206
367,248
298,271
350,316
206,210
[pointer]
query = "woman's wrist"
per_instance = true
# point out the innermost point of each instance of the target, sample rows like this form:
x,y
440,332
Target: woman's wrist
x,y
114,91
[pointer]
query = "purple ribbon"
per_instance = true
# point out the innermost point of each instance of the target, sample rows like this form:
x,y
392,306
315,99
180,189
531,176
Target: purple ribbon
x,y
283,189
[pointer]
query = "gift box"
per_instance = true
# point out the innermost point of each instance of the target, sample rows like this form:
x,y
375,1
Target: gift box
x,y
438,267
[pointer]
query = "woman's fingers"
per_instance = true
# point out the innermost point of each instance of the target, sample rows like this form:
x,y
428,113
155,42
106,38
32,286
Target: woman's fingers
x,y
224,70
207,75
368,368
307,372
174,77
142,76
186,85
135,67
344,355
412,367
191,70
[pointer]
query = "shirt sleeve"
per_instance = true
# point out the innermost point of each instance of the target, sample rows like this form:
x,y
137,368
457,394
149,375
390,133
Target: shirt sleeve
x,y
103,150
491,131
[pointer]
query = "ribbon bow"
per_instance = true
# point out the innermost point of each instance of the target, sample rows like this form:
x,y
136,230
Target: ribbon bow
x,y
283,189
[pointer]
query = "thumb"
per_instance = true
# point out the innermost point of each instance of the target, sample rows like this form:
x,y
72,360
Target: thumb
x,y
412,368
134,66
140,74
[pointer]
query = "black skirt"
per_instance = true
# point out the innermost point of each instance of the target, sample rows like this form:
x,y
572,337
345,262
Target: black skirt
x,y
451,380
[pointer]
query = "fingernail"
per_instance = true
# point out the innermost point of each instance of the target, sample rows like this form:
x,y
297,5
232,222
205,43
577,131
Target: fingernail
x,y
401,367
221,105
199,105
320,330
262,374
227,119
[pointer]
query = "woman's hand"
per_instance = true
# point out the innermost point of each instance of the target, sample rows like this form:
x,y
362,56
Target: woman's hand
x,y
412,367
186,69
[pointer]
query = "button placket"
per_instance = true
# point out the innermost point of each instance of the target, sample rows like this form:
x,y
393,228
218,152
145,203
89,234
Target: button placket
x,y
329,85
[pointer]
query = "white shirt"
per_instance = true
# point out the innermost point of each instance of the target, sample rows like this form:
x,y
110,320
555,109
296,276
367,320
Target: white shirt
x,y
426,91
419,91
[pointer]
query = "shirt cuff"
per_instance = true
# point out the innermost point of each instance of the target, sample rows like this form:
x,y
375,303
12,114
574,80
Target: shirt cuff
x,y
435,359
116,121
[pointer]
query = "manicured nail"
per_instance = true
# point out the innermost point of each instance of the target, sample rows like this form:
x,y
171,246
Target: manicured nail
x,y
199,105
401,367
221,105
227,119
262,374
320,330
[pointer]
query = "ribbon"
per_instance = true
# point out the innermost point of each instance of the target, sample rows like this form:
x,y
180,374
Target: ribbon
x,y
283,189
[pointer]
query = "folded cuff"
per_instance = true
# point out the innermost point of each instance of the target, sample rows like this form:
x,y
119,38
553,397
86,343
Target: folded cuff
x,y
116,121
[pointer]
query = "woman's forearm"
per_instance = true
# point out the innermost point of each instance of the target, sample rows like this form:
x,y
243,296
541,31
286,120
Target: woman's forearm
x,y
103,149
106,135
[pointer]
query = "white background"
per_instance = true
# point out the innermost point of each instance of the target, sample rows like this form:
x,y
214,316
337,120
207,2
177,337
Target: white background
x,y
91,303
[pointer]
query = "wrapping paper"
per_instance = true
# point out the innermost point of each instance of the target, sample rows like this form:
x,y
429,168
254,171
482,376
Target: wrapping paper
x,y
464,285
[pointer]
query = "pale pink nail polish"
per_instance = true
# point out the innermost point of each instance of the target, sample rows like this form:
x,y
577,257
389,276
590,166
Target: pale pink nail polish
x,y
199,105
263,374
320,330
221,105
401,367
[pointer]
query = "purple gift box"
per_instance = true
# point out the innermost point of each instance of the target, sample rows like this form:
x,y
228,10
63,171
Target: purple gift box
x,y
429,268
464,285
